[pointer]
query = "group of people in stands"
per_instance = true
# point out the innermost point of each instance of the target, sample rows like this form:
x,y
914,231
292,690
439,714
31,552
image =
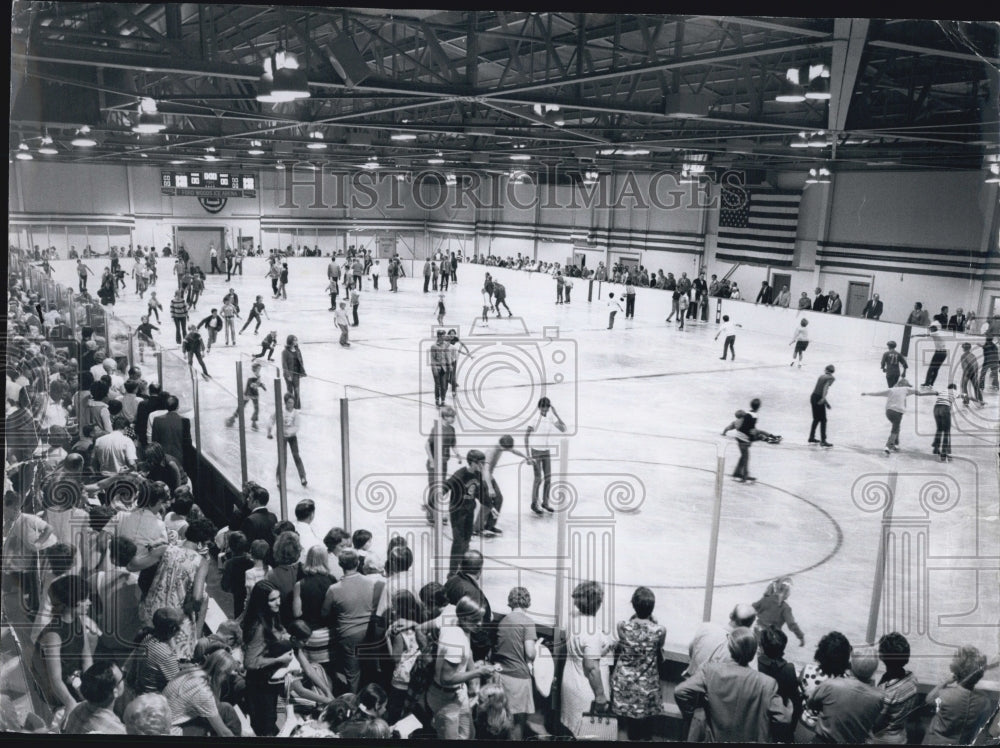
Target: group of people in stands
x,y
109,557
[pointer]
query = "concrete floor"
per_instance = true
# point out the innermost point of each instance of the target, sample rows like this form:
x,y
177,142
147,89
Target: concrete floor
x,y
645,404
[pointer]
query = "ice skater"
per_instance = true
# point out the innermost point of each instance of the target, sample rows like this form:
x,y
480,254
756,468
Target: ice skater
x,y
940,354
251,394
290,431
256,309
455,346
892,362
547,424
683,303
991,364
614,306
343,322
820,405
489,512
355,303
434,498
943,408
439,359
213,323
487,306
267,345
440,309
229,314
970,376
194,347
895,408
728,331
801,340
500,297
144,334
745,425
153,306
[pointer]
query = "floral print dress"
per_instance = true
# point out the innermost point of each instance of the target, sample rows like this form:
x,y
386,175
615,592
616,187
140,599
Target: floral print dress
x,y
635,684
174,579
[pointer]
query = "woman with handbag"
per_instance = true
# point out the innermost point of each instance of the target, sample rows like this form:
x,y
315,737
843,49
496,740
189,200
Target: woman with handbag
x,y
585,681
267,647
636,680
180,583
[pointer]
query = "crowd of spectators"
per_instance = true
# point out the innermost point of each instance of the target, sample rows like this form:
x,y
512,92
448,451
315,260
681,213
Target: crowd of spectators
x,y
109,553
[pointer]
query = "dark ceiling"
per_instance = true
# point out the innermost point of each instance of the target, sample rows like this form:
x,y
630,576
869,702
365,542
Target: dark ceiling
x,y
905,93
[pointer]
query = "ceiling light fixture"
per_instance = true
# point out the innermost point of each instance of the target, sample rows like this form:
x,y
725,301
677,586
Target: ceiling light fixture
x,y
317,143
149,121
280,166
520,157
994,174
819,140
282,80
800,141
435,161
818,175
255,148
792,90
177,162
403,136
47,148
82,139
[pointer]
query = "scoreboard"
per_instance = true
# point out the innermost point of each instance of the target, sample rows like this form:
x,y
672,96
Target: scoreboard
x,y
208,184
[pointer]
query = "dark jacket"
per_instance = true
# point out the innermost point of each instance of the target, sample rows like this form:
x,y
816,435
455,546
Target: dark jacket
x,y
291,363
765,295
173,433
259,525
873,309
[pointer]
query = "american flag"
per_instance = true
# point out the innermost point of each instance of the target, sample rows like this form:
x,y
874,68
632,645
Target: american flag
x,y
757,226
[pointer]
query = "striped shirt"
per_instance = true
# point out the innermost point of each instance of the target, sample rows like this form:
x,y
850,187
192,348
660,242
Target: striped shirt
x,y
178,308
945,398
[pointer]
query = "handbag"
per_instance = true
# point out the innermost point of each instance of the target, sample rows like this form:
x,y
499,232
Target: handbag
x,y
598,724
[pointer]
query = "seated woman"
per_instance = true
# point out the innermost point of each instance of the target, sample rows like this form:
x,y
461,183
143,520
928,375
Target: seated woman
x,y
194,697
66,645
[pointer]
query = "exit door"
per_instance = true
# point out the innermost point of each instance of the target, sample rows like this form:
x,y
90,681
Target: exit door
x,y
857,297
196,240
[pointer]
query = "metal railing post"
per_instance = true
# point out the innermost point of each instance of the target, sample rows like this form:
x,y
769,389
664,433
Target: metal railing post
x,y
713,543
345,459
279,426
240,404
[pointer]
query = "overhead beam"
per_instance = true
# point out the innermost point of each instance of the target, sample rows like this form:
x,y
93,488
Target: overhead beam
x,y
931,51
849,37
760,23
710,58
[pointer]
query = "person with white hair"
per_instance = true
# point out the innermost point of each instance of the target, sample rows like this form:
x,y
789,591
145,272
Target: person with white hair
x,y
147,714
741,703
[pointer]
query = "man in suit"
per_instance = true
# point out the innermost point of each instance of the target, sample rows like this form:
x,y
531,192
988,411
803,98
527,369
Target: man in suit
x,y
873,309
765,295
259,523
155,401
466,584
821,301
173,432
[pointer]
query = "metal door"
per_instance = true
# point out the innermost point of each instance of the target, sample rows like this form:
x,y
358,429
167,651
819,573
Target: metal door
x,y
857,297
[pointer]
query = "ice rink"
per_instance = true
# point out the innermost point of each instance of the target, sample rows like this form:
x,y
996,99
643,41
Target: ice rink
x,y
644,404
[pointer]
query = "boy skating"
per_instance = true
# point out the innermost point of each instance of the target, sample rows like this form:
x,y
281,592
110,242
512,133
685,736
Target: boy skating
x,y
801,340
728,333
251,394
